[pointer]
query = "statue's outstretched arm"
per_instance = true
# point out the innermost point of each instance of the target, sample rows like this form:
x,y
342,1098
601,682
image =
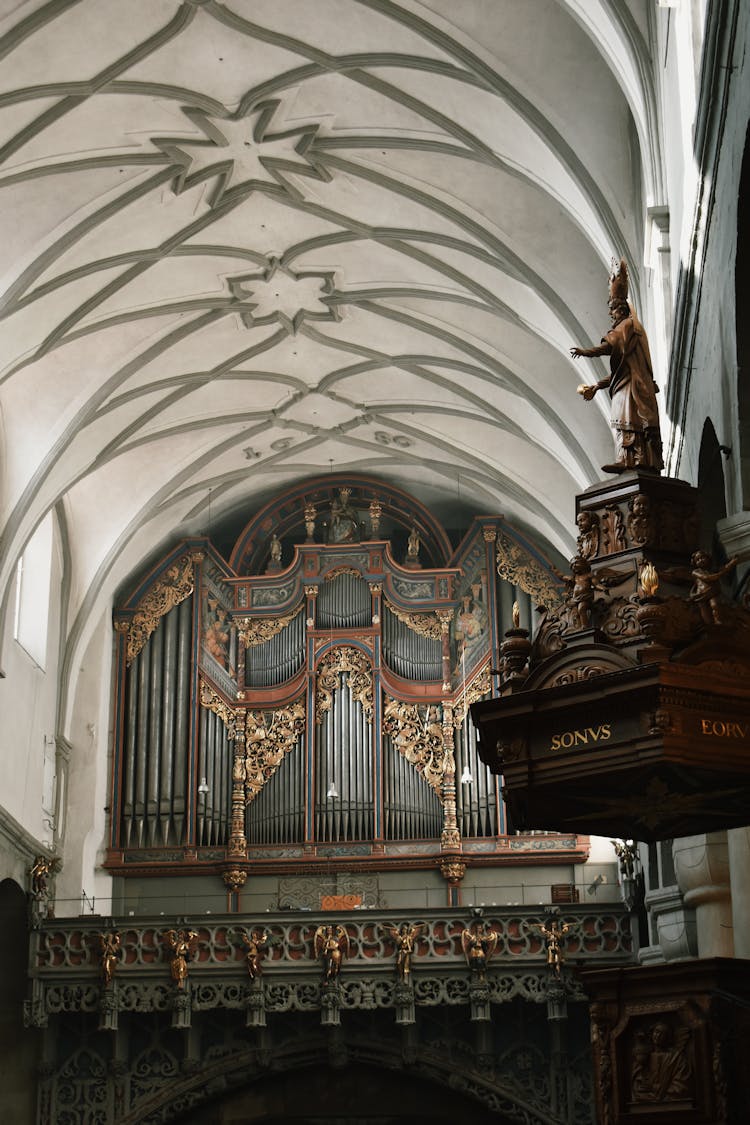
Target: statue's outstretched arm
x,y
591,353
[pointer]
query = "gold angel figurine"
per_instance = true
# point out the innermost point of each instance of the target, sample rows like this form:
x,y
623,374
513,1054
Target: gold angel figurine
x,y
109,951
478,945
553,935
255,943
331,945
180,943
404,938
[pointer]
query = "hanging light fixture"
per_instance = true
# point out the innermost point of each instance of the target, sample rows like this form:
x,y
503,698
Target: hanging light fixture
x,y
333,792
466,778
203,789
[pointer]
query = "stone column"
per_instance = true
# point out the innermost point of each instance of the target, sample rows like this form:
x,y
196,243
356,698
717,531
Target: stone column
x,y
734,533
702,866
738,846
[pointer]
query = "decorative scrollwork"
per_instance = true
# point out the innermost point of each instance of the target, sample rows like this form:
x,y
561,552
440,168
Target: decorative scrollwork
x,y
176,584
425,624
480,686
340,661
338,570
516,565
269,736
213,702
256,630
417,734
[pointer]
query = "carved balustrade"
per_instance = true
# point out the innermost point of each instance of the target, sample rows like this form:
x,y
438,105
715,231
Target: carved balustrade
x,y
65,967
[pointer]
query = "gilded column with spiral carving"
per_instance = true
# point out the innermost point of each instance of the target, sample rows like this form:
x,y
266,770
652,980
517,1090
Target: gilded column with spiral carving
x,y
445,617
450,838
237,845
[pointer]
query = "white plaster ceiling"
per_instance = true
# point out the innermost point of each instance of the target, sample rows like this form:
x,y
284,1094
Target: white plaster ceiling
x,y
251,240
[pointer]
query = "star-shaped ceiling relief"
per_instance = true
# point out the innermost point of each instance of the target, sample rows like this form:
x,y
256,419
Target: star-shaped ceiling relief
x,y
240,154
277,293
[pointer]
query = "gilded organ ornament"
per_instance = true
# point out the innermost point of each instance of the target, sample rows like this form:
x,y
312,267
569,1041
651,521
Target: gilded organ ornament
x,y
339,662
180,945
518,566
479,943
176,584
479,687
425,624
109,948
256,630
212,701
331,946
269,736
417,734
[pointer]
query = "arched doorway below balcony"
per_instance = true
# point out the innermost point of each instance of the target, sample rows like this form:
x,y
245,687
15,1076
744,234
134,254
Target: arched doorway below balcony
x,y
356,1094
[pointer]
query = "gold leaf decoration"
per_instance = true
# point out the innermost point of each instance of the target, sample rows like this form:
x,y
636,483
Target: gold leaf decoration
x,y
212,701
417,734
269,736
338,570
425,624
256,630
176,584
517,565
341,661
480,686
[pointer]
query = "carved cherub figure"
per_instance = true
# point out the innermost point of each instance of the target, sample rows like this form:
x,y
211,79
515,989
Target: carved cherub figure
x,y
588,534
180,944
705,592
41,869
479,944
331,945
109,951
640,520
581,585
405,937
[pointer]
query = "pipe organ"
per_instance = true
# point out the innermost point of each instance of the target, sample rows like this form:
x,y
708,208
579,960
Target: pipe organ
x,y
309,695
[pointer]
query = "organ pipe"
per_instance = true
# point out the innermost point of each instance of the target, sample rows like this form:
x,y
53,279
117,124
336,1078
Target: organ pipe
x,y
411,807
155,741
343,763
409,654
344,602
278,659
476,800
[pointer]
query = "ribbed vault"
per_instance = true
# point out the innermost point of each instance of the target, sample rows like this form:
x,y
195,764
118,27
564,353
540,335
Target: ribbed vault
x,y
252,240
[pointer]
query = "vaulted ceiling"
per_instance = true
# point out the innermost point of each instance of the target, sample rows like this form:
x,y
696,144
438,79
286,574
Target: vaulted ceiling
x,y
252,240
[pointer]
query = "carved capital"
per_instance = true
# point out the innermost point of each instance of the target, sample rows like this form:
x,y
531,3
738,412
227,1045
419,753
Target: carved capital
x,y
235,879
450,840
489,534
452,869
444,616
